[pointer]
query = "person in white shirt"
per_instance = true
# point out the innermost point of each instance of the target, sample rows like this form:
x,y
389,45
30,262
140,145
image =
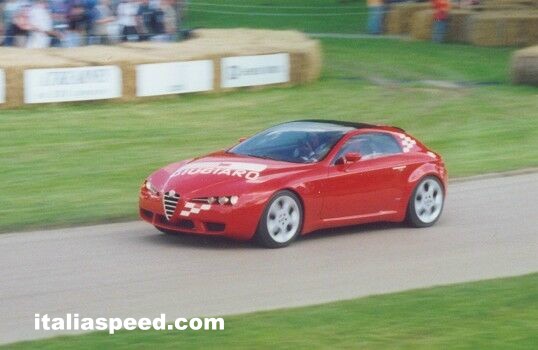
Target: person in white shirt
x,y
40,22
105,22
127,11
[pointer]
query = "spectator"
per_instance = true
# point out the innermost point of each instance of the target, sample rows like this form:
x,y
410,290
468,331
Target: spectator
x,y
40,25
105,28
69,23
90,14
127,11
376,12
440,19
77,23
145,20
58,9
10,8
16,23
158,23
169,20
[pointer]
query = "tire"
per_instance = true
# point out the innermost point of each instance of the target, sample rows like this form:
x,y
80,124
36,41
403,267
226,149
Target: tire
x,y
281,221
426,203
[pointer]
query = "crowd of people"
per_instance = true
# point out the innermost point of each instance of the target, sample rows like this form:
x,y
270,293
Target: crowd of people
x,y
71,23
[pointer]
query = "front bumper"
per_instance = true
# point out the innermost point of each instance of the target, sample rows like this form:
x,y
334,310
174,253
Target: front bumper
x,y
238,221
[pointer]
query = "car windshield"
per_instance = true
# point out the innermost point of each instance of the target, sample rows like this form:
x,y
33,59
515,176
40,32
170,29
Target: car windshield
x,y
295,142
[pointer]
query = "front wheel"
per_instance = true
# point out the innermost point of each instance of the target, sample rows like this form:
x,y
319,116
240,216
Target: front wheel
x,y
281,220
426,203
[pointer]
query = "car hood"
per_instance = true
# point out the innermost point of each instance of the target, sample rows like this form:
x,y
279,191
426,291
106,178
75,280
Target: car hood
x,y
227,174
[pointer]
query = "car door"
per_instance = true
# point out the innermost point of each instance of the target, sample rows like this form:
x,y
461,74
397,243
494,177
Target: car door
x,y
369,187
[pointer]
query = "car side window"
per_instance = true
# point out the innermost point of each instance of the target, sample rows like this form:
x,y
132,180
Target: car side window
x,y
370,145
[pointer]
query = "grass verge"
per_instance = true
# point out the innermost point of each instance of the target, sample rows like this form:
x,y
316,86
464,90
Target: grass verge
x,y
314,16
494,314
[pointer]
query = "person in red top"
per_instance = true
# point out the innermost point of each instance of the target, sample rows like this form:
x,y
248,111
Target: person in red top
x,y
440,19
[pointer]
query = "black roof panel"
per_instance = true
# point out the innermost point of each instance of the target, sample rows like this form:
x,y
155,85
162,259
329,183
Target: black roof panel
x,y
337,122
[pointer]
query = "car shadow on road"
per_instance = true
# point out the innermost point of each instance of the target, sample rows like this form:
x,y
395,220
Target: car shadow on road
x,y
199,241
351,230
223,243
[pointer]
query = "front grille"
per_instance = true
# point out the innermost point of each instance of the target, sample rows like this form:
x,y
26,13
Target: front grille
x,y
187,224
170,200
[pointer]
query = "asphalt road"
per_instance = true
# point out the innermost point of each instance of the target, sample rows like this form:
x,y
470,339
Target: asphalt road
x,y
489,229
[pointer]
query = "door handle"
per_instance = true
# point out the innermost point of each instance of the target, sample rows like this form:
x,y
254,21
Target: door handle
x,y
399,168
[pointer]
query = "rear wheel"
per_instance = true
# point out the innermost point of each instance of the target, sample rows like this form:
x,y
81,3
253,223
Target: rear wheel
x,y
281,220
426,203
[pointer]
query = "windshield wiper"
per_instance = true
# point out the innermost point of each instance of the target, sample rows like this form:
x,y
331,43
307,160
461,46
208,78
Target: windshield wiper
x,y
259,156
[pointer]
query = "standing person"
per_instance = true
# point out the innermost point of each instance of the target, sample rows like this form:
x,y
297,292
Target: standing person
x,y
41,29
170,19
376,13
127,10
145,20
104,21
10,8
77,24
90,10
440,19
17,16
15,21
58,10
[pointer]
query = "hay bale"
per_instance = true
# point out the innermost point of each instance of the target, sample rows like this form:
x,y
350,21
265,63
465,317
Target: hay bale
x,y
484,30
510,28
524,66
458,26
213,44
513,3
305,53
421,25
225,42
521,28
400,17
14,61
305,63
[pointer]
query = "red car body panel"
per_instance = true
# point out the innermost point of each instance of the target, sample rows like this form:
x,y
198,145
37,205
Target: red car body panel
x,y
369,190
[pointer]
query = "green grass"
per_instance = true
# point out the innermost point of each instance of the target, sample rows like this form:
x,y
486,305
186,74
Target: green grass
x,y
494,314
83,163
415,60
327,16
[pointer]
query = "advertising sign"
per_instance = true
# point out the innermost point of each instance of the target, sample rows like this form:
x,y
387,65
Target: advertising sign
x,y
174,78
255,70
72,84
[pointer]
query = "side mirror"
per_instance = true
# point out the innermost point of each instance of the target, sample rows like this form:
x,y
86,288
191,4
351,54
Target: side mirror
x,y
241,139
352,157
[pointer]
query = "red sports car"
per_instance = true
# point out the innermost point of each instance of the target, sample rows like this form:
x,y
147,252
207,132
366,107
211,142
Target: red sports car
x,y
298,177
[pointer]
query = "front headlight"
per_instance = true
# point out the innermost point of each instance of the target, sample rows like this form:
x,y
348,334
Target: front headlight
x,y
222,200
150,187
234,200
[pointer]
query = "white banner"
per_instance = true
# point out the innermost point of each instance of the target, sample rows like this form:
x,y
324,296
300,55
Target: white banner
x,y
255,70
2,86
72,84
174,78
